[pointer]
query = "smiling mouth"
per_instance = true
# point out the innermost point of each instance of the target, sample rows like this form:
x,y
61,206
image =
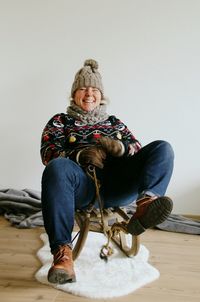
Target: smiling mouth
x,y
89,101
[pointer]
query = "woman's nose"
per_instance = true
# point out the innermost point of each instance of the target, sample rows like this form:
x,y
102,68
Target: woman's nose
x,y
89,91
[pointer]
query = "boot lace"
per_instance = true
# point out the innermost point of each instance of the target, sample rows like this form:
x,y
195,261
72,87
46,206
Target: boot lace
x,y
62,254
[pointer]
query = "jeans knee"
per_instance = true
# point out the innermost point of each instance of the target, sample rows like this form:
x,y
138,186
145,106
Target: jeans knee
x,y
55,164
58,166
166,149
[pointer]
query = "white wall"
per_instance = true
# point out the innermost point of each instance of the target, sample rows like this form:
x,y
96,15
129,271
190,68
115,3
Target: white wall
x,y
148,52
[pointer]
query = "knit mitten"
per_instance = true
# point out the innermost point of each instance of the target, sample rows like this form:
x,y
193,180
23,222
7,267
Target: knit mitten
x,y
91,156
112,146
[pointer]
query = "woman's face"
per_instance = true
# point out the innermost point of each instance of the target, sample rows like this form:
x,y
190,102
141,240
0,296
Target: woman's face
x,y
87,98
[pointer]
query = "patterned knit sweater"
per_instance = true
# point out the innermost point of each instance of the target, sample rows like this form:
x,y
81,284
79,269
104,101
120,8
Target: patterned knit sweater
x,y
64,135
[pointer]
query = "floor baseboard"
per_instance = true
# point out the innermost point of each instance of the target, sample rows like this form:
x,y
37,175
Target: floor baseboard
x,y
191,216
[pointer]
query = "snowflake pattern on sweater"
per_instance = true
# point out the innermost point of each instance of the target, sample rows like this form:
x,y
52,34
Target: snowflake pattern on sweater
x,y
63,135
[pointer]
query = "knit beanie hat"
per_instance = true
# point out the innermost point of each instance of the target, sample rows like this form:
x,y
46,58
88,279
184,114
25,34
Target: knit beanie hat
x,y
88,76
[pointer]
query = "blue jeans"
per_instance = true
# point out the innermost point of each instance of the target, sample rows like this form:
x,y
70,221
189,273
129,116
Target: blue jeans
x,y
66,187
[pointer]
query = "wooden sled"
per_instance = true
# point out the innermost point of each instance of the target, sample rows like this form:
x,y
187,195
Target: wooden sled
x,y
113,220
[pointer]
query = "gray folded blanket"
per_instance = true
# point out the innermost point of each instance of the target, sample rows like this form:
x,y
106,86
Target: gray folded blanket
x,y
180,224
23,209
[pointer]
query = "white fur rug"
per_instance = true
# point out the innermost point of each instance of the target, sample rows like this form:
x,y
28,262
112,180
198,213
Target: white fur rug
x,y
99,279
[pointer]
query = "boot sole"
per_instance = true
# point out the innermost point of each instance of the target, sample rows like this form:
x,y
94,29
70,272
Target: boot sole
x,y
60,276
156,213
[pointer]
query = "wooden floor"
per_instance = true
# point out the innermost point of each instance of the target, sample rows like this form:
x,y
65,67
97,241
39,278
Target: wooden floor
x,y
176,256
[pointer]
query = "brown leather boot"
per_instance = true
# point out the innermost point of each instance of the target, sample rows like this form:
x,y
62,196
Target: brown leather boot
x,y
150,211
62,270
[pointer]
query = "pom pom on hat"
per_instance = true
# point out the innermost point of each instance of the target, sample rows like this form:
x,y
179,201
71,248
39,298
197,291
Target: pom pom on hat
x,y
88,76
92,63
